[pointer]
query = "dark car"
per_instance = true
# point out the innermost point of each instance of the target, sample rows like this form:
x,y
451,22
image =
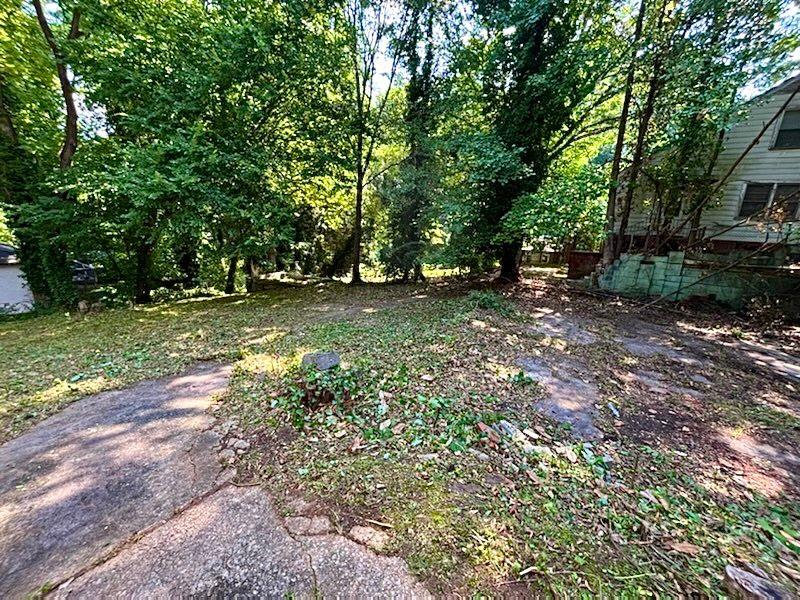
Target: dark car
x,y
82,273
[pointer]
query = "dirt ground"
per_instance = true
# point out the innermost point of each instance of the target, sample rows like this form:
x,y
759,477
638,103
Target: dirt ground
x,y
699,382
682,422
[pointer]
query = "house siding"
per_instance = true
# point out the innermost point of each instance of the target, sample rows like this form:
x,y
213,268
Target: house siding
x,y
761,165
15,297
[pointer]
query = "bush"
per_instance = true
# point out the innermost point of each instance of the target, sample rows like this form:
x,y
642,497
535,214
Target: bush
x,y
489,300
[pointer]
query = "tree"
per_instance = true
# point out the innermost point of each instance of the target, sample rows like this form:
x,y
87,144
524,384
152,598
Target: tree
x,y
409,192
32,65
609,244
200,154
567,211
372,27
71,123
694,59
547,75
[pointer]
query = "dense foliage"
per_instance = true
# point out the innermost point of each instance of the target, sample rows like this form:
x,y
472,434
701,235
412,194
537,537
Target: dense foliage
x,y
213,142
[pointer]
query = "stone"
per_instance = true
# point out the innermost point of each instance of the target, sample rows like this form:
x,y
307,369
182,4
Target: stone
x,y
227,426
531,433
569,398
299,506
478,454
747,586
510,430
241,445
316,525
227,455
322,361
541,450
370,537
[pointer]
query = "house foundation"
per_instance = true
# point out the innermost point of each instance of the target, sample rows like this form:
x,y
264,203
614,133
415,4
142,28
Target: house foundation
x,y
677,277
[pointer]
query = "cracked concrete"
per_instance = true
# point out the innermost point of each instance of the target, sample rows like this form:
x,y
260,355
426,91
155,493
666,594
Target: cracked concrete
x,y
103,469
564,327
234,543
122,494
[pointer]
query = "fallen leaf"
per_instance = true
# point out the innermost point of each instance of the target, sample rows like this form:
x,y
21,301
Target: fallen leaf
x,y
534,477
490,433
685,548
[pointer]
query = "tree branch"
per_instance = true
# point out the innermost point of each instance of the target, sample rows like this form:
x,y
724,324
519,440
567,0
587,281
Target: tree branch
x,y
71,126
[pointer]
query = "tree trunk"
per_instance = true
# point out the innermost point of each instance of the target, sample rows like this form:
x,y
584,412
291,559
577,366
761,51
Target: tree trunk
x,y
250,274
638,154
510,260
11,141
230,279
609,243
144,254
189,266
356,278
71,126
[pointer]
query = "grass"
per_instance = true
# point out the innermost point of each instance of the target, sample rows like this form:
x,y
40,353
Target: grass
x,y
393,436
53,359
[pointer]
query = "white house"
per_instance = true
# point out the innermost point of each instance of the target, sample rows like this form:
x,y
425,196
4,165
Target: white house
x,y
767,176
15,297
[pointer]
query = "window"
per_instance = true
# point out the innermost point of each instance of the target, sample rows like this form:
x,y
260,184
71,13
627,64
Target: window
x,y
787,198
789,132
783,200
756,198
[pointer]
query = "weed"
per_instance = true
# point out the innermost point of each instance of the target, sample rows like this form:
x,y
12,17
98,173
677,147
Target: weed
x,y
489,300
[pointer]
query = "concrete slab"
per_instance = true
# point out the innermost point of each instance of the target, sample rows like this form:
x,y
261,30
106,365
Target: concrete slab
x,y
122,495
564,327
106,467
769,358
233,544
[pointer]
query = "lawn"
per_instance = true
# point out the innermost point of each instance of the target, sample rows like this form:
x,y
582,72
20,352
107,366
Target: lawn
x,y
411,434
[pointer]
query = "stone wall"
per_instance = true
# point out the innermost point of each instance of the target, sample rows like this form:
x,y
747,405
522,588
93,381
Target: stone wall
x,y
676,277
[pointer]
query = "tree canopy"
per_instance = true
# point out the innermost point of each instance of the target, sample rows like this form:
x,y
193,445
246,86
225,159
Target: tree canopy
x,y
200,144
